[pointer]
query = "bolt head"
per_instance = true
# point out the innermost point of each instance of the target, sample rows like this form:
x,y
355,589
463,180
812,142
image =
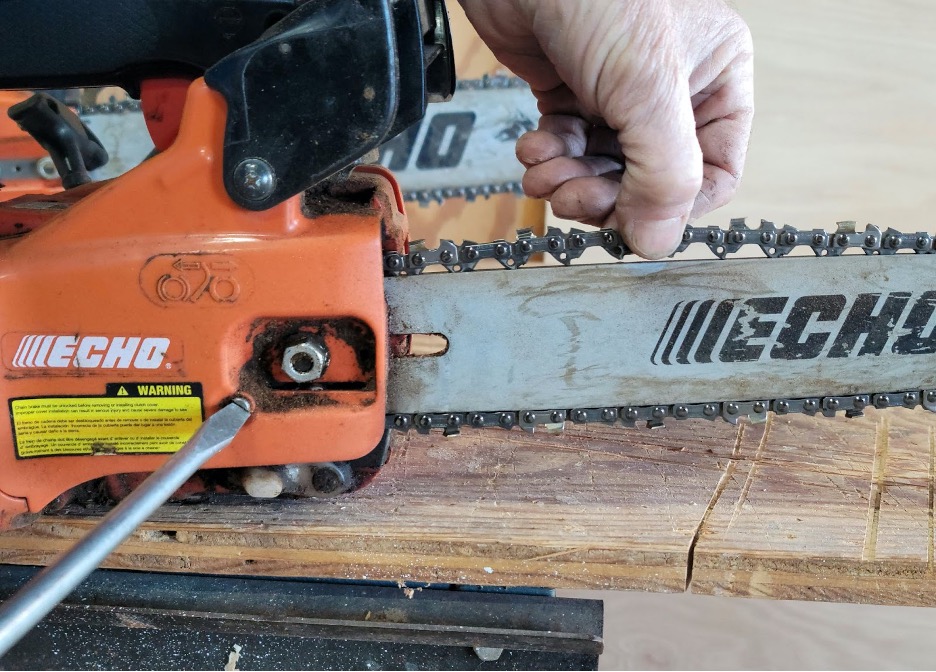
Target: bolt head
x,y
329,479
254,179
305,361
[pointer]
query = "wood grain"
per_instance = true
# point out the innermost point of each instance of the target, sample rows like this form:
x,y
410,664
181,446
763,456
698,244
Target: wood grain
x,y
844,515
798,508
595,507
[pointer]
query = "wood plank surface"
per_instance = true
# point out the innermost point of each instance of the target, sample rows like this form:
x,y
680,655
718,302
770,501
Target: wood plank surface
x,y
798,508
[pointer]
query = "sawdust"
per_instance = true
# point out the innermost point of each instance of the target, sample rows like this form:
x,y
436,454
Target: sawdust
x,y
340,195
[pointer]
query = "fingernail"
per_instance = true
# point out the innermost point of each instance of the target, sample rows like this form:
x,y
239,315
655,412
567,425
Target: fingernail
x,y
654,240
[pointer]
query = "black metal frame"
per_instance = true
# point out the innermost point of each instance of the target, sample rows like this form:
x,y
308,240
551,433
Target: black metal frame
x,y
140,620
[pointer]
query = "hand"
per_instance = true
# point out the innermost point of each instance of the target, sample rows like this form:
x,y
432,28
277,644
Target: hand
x,y
647,107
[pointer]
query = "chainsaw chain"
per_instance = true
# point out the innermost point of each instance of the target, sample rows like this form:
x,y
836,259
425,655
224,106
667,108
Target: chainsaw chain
x,y
565,247
426,196
116,107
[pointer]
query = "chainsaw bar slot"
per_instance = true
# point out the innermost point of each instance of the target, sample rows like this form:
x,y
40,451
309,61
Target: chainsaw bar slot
x,y
427,345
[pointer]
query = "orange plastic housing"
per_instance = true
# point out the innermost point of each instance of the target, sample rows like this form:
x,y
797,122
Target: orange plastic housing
x,y
162,253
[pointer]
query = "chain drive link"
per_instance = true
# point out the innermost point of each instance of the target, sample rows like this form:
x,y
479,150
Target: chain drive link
x,y
126,106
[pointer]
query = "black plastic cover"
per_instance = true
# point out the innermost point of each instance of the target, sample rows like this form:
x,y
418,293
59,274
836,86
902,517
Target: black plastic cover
x,y
325,86
66,43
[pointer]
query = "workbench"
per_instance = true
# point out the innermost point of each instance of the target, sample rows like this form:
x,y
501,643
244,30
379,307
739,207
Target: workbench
x,y
796,508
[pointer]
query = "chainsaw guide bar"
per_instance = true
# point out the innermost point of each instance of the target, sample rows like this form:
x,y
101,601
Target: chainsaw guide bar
x,y
465,150
616,342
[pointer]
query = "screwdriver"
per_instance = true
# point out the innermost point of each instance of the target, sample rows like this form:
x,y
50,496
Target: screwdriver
x,y
30,604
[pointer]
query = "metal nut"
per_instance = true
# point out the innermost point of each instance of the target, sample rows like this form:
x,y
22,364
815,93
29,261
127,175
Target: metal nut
x,y
305,361
46,169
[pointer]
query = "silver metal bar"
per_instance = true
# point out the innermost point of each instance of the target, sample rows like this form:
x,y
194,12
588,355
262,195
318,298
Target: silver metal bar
x,y
30,604
684,332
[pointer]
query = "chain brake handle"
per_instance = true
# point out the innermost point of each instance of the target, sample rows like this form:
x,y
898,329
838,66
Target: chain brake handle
x,y
74,148
324,86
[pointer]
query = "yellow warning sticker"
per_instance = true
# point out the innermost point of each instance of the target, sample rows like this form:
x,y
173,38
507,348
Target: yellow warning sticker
x,y
130,419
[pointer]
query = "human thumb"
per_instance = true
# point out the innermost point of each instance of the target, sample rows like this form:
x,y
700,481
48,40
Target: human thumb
x,y
663,160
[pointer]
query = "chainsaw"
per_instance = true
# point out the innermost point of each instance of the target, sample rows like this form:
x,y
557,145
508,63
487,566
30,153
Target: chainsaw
x,y
255,258
248,296
464,149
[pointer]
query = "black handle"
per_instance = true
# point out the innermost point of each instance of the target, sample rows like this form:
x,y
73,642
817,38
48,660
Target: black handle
x,y
63,43
72,146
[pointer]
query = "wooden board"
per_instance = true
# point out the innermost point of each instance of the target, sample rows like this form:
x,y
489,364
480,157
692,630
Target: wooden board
x,y
805,508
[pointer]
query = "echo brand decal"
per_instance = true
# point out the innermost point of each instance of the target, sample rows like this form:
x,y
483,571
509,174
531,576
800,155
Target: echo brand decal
x,y
72,353
808,327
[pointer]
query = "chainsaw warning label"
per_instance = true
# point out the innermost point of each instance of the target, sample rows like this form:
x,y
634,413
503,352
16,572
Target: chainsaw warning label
x,y
129,419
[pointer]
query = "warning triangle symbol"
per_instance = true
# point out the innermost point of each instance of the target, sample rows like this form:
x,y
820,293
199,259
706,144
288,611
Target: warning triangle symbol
x,y
122,392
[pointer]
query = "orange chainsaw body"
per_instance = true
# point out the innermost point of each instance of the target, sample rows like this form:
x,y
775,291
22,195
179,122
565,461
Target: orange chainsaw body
x,y
156,281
